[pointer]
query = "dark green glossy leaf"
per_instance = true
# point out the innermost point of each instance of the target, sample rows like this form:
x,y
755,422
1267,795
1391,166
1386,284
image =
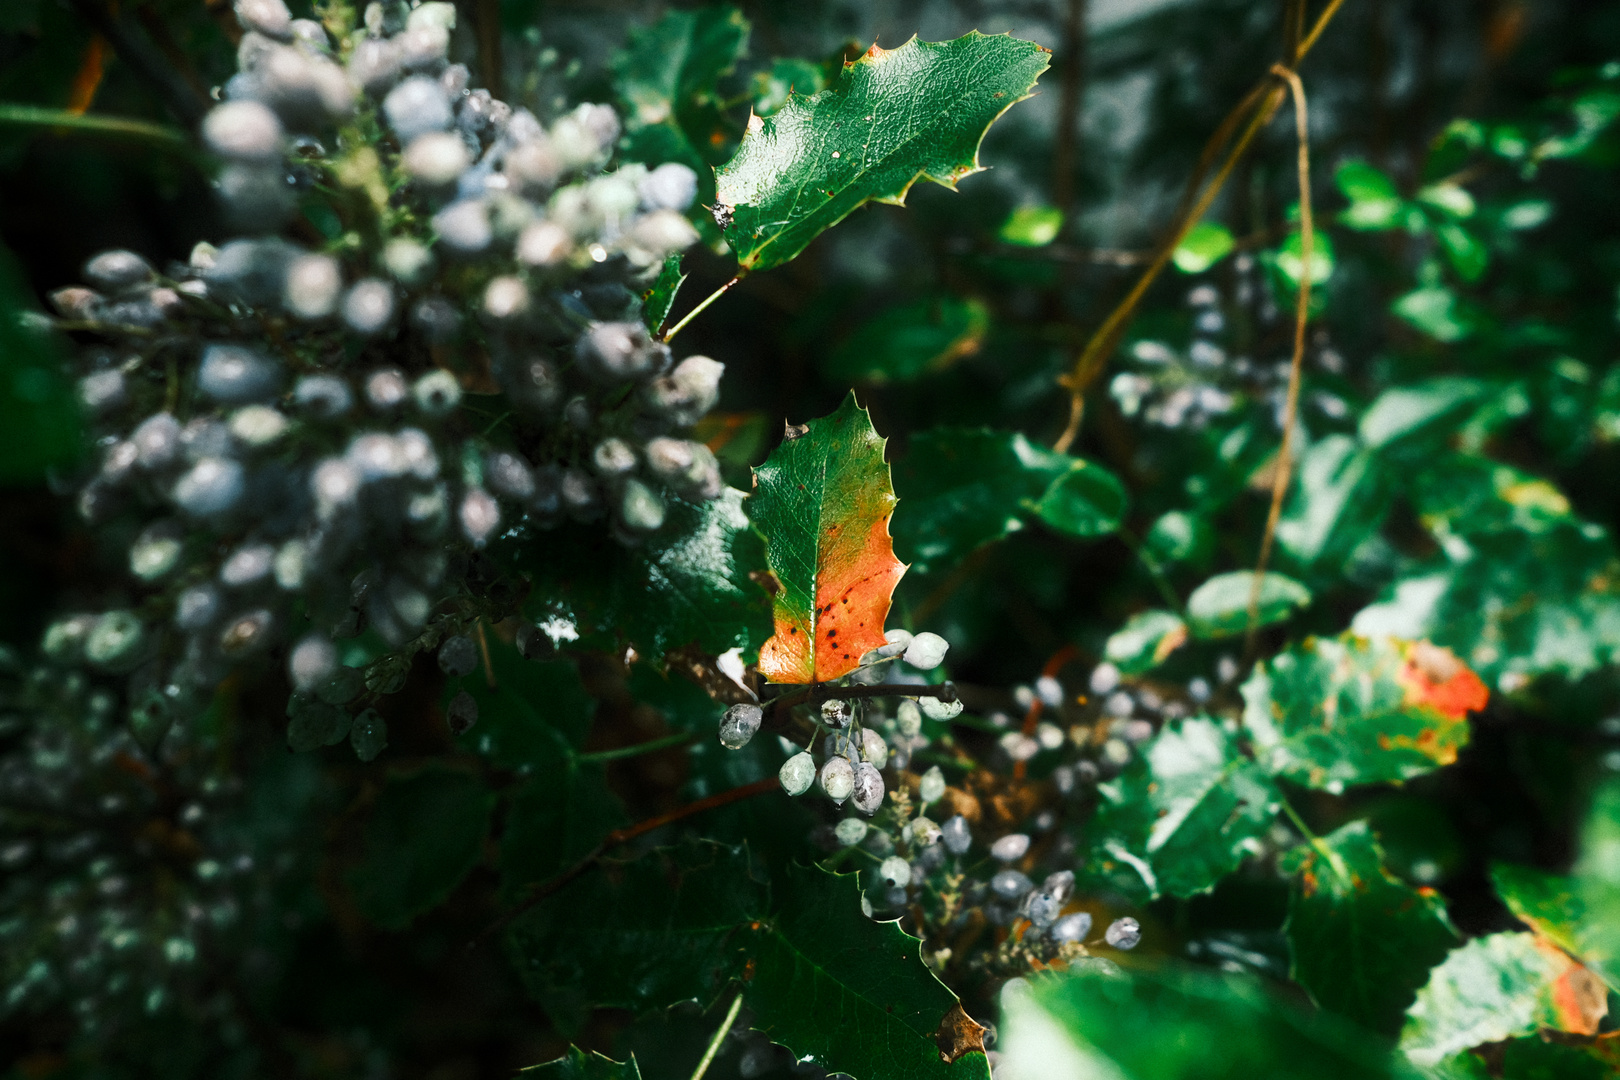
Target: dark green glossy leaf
x,y
661,297
823,500
1491,989
1144,641
668,77
1597,876
1534,1058
670,926
577,1064
1330,713
1547,903
535,711
424,833
849,994
688,585
1467,254
1178,536
38,412
1336,504
911,340
1359,939
786,75
556,818
963,487
1421,408
895,116
1184,813
1086,501
1175,1022
1220,606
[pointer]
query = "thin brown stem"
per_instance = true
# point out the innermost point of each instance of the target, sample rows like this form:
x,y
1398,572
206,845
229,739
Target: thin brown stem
x,y
818,692
1302,311
133,47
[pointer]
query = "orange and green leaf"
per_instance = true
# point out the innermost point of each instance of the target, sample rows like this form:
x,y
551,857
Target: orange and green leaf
x,y
823,500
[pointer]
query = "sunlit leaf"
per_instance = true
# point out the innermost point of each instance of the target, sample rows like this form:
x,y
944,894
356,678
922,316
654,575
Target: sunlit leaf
x,y
1468,255
1336,504
1032,226
823,500
1205,244
1145,640
1374,201
895,116
668,77
1404,411
1086,501
1436,311
1449,199
1291,257
1220,606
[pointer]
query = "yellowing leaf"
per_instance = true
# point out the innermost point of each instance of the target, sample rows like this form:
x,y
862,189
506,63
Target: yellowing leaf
x,y
823,500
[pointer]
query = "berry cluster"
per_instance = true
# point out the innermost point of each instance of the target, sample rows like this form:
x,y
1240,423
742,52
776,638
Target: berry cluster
x,y
301,441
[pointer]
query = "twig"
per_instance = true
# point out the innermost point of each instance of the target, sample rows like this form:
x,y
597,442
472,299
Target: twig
x,y
483,648
1054,664
617,838
690,315
1302,311
619,753
1259,104
87,80
719,1037
64,119
818,692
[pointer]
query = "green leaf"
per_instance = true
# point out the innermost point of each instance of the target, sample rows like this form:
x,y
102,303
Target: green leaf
x,y
896,116
555,819
1402,412
657,301
961,488
787,75
1176,1022
1450,199
849,994
1468,255
1145,640
533,714
1547,903
1336,505
823,500
424,834
1291,258
1534,1058
1597,877
1359,939
1032,226
911,340
641,935
668,78
1491,989
1330,713
579,1065
1185,813
1220,606
1205,244
1086,501
1374,201
1178,536
1436,311
38,412
692,583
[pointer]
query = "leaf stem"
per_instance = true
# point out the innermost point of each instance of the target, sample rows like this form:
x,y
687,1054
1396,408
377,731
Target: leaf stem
x,y
690,315
719,1037
1317,843
34,116
945,692
619,753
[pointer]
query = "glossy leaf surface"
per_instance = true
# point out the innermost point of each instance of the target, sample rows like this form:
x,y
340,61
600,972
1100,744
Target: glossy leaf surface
x,y
1330,713
894,117
1220,606
668,77
1145,640
847,993
424,834
1359,939
823,500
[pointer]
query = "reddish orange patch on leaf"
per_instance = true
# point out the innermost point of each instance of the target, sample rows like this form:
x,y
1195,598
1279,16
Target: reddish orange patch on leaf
x,y
1435,677
1579,998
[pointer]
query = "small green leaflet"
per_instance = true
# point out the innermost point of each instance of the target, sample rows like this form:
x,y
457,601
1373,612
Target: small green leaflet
x,y
1205,244
1597,876
1032,226
668,78
1176,1022
853,995
1374,201
1144,641
895,116
1337,503
1220,606
1183,814
1361,941
425,833
657,301
909,341
580,1065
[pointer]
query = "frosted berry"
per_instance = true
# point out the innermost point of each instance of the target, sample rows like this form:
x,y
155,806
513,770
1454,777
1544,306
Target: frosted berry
x,y
1010,884
935,709
896,870
837,779
237,374
836,713
1123,933
873,748
739,725
312,662
797,773
956,834
458,656
932,788
850,831
926,651
1073,927
908,719
1010,848
462,713
867,793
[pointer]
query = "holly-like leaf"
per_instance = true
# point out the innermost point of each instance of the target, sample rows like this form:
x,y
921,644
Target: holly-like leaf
x,y
665,928
1145,641
1337,503
1597,877
895,116
1220,606
963,487
1175,1022
694,583
1360,940
823,500
912,340
535,711
425,833
668,77
1549,904
556,818
1085,501
850,994
1334,712
1182,815
1496,988
577,1064
657,301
